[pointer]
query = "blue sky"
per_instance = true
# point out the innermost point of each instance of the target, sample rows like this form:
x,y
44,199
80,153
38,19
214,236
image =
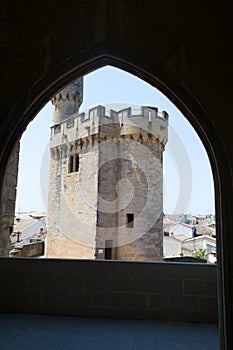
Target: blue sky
x,y
188,182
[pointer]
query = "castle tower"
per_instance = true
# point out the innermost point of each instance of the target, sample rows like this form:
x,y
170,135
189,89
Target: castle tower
x,y
67,101
106,183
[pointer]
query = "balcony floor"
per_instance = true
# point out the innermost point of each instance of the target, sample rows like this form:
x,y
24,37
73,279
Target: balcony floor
x,y
27,332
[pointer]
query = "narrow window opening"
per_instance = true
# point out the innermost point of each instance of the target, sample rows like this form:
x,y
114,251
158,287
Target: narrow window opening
x,y
130,220
108,253
77,163
70,165
149,116
108,250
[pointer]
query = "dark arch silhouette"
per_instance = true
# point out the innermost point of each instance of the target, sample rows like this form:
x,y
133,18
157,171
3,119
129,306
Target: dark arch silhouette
x,y
80,65
184,49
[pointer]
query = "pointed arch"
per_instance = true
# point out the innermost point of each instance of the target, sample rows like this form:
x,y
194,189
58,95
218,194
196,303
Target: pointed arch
x,y
28,106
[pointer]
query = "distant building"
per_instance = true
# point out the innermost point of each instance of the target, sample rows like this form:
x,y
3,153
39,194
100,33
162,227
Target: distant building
x,y
171,247
182,239
197,244
206,227
27,226
180,231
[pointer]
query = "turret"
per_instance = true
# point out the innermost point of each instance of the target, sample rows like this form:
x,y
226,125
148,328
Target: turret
x,y
67,101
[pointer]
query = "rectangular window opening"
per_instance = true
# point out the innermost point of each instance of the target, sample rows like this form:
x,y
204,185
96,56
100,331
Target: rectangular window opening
x,y
77,163
130,220
70,165
108,250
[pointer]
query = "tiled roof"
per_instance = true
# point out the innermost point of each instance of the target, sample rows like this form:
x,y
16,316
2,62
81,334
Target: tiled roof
x,y
23,224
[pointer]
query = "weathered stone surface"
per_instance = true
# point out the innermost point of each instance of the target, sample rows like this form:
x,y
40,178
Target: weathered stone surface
x,y
110,203
7,210
29,250
67,101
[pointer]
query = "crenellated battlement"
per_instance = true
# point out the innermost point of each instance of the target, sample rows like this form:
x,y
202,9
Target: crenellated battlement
x,y
99,120
67,101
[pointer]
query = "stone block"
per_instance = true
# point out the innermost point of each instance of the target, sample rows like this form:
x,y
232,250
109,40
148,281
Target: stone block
x,y
134,300
31,295
80,298
11,180
12,193
210,288
16,280
158,301
110,299
10,207
146,283
182,303
208,304
171,286
97,282
121,282
193,287
42,280
55,296
70,280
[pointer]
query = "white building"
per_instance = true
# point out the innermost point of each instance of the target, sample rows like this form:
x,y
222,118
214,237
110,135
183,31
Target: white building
x,y
171,247
201,243
180,230
27,225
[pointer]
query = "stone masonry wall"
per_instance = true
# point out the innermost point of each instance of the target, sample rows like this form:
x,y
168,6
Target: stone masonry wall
x,y
133,290
8,201
144,172
72,203
130,181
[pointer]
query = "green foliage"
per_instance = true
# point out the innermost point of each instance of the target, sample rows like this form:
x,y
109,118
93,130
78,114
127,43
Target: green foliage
x,y
200,255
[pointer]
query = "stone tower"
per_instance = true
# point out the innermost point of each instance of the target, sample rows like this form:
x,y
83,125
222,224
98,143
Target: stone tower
x,y
67,102
106,181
